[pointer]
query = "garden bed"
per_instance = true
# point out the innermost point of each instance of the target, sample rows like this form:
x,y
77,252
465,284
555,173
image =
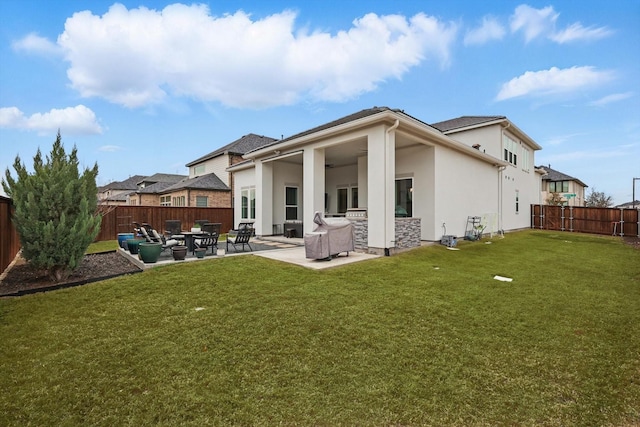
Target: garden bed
x,y
23,279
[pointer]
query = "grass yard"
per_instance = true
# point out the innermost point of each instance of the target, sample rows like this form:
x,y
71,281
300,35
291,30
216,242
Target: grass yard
x,y
427,337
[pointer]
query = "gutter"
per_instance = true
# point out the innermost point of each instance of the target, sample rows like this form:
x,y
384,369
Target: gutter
x,y
412,126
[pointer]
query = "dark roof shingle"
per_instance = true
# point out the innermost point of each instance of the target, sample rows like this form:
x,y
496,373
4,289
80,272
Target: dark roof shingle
x,y
128,184
463,122
204,182
239,146
554,175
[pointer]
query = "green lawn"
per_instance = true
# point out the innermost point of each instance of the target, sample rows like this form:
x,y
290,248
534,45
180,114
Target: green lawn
x,y
427,337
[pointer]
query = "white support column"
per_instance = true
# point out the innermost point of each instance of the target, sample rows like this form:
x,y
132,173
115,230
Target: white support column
x,y
264,198
381,192
363,185
313,185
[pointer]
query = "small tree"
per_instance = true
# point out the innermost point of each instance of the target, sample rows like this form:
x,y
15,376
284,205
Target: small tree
x,y
55,210
598,199
555,199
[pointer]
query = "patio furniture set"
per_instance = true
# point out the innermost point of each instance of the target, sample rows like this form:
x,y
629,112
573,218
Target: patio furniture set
x,y
148,243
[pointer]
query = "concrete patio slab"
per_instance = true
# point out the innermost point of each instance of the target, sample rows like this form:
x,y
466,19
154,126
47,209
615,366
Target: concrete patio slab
x,y
290,250
297,254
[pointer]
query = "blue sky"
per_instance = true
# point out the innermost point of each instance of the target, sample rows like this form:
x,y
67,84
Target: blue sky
x,y
147,86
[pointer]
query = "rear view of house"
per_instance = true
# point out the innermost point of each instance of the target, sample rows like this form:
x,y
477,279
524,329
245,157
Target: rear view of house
x,y
399,178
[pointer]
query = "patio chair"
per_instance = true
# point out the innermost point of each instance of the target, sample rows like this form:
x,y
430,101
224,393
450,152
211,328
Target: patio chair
x,y
212,227
166,243
243,225
173,230
205,240
172,226
144,230
241,238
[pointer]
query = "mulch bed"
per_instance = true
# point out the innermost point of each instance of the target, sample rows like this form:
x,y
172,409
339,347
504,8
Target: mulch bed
x,y
633,241
23,279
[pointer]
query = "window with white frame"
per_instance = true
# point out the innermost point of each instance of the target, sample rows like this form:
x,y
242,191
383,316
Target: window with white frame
x,y
248,203
291,203
517,201
165,200
354,197
178,201
404,197
525,158
198,170
510,147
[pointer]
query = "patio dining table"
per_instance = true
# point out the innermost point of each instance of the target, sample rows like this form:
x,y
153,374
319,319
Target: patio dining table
x,y
188,238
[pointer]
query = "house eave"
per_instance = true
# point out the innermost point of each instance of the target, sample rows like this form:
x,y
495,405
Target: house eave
x,y
406,124
506,124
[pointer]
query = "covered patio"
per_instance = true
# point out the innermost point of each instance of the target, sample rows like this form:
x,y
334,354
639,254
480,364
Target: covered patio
x,y
279,248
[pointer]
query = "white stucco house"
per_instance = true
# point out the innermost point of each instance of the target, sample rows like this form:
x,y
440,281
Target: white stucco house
x,y
399,179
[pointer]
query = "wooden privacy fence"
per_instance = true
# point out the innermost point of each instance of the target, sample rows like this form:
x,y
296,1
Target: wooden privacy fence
x,y
611,221
120,218
9,239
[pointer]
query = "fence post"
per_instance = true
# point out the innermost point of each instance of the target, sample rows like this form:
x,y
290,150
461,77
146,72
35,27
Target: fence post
x,y
562,218
541,216
621,222
533,216
571,218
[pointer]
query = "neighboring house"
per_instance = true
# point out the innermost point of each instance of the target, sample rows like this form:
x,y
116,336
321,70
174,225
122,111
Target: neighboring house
x,y
629,205
202,191
117,192
150,188
571,189
412,180
217,162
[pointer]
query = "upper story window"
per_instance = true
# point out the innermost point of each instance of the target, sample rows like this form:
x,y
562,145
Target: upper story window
x,y
510,148
198,170
525,159
559,186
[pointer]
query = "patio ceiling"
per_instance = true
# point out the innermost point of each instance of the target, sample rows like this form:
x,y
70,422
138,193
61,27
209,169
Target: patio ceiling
x,y
346,154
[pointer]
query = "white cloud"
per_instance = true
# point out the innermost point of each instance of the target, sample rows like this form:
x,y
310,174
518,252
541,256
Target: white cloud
x,y
611,98
533,22
490,29
139,57
561,139
78,120
110,148
578,32
542,23
35,44
553,81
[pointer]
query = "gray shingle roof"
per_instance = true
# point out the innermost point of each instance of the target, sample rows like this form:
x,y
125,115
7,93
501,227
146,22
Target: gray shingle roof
x,y
163,177
240,146
346,119
128,184
155,188
205,182
554,175
463,122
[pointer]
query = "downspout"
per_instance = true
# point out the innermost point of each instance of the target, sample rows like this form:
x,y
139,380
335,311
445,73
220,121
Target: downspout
x,y
392,128
500,198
